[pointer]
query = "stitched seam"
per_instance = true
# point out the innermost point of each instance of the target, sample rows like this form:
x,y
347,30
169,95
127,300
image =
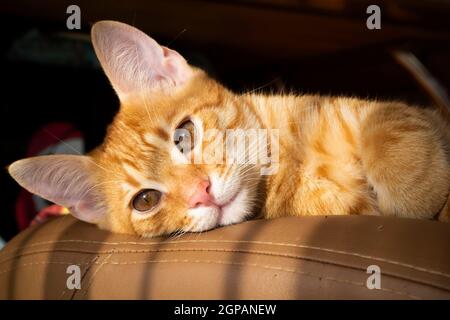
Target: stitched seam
x,y
309,274
39,263
406,265
95,273
359,284
256,252
82,276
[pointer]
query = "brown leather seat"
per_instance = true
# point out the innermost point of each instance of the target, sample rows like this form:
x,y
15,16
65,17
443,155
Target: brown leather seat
x,y
288,258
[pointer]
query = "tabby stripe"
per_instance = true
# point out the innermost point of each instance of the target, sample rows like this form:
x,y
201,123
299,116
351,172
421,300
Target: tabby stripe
x,y
161,133
250,105
154,141
348,135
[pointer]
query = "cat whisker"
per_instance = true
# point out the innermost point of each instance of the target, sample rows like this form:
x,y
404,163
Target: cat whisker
x,y
263,86
177,234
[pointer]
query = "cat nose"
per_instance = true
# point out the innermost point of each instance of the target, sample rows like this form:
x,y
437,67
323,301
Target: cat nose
x,y
201,196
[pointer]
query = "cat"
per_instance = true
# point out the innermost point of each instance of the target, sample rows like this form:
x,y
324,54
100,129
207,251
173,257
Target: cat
x,y
336,155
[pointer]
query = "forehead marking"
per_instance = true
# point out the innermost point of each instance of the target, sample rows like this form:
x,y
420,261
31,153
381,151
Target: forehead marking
x,y
161,133
134,173
154,140
139,177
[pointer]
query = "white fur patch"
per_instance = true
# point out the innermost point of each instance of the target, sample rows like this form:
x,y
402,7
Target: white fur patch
x,y
230,195
237,210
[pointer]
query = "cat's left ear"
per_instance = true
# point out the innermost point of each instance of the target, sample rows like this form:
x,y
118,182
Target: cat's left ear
x,y
67,180
134,62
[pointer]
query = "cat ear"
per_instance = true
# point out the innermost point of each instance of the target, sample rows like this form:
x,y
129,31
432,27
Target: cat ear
x,y
134,62
63,179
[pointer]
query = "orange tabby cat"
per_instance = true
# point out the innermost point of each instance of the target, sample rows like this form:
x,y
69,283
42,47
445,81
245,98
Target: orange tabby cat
x,y
329,155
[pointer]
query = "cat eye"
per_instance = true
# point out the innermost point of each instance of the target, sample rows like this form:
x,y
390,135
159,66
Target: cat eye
x,y
146,200
184,137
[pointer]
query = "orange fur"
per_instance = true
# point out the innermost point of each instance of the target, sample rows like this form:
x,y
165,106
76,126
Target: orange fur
x,y
338,156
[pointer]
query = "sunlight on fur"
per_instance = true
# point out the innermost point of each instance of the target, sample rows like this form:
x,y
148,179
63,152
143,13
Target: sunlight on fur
x,y
337,155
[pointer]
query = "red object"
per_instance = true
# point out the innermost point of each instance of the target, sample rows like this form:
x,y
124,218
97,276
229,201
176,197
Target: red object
x,y
51,211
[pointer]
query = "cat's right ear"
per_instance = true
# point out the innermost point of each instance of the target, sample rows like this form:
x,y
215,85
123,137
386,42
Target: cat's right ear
x,y
134,62
66,180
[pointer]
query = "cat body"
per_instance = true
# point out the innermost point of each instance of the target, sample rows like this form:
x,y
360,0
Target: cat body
x,y
333,155
351,156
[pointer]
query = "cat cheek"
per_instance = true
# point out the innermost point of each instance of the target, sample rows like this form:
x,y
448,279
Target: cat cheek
x,y
183,223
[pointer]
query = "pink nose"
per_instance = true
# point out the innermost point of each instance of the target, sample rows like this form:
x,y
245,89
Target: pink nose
x,y
201,196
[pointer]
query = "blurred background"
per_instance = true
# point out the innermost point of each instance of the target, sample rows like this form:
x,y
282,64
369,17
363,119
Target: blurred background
x,y
53,90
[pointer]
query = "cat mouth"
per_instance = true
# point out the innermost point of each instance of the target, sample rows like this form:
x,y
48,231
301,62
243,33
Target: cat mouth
x,y
228,212
227,209
229,202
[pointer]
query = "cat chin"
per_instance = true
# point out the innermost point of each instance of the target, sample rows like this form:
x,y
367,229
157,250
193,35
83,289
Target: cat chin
x,y
236,211
203,218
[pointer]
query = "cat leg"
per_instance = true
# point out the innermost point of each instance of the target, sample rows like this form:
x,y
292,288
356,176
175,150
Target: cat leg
x,y
318,189
404,158
329,191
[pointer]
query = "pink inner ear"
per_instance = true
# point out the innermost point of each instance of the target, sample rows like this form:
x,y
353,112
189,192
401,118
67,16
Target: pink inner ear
x,y
175,66
135,62
63,179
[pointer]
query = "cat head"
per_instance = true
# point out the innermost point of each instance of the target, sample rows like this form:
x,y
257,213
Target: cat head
x,y
162,167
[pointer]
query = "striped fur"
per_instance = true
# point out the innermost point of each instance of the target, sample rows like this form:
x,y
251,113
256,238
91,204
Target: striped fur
x,y
337,155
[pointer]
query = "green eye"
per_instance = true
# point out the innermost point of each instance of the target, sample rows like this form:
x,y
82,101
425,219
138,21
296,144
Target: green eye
x,y
146,200
184,137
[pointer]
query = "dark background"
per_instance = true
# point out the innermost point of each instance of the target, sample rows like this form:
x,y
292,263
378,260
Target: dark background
x,y
311,46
